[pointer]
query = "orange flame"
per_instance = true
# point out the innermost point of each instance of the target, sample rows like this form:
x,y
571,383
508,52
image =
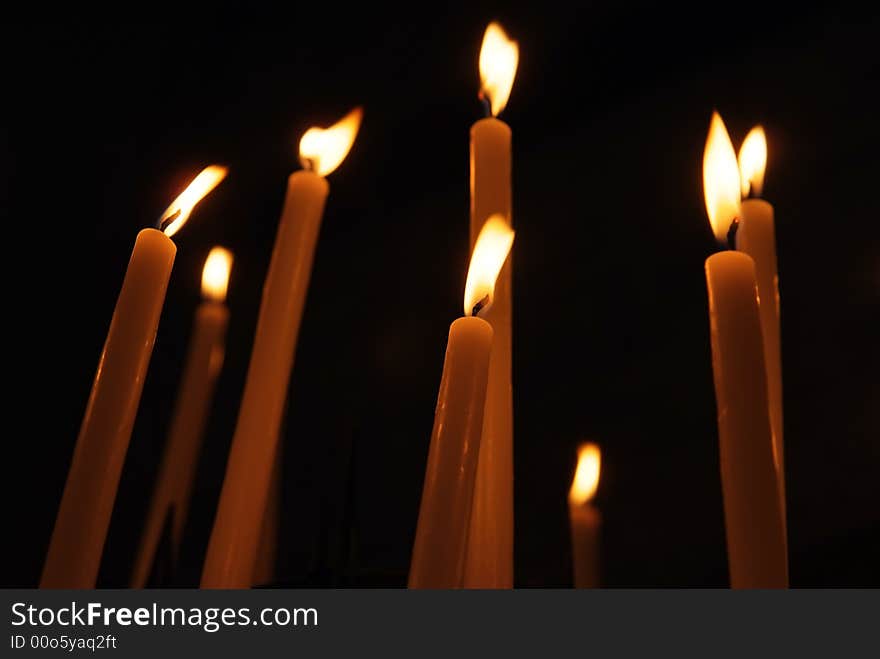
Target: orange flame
x,y
176,215
586,475
323,149
215,274
490,251
720,178
499,57
753,162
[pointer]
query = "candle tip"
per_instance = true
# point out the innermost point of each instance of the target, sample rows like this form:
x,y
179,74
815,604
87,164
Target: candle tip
x,y
480,305
731,233
488,256
322,150
499,57
181,208
165,222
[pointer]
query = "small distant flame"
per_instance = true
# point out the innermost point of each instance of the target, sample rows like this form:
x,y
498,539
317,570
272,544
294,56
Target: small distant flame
x,y
720,179
323,149
490,251
499,57
215,274
176,215
753,162
586,476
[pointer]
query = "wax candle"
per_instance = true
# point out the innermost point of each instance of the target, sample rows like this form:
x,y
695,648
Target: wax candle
x,y
438,558
584,517
756,545
756,236
232,549
171,497
489,562
84,514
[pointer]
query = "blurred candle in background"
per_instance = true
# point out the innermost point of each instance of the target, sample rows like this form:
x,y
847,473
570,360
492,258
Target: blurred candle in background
x,y
756,236
756,544
438,557
90,491
171,497
584,517
489,562
233,546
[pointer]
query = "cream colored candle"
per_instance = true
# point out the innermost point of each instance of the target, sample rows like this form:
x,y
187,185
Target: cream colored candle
x,y
204,360
489,562
232,549
438,558
84,514
756,543
584,518
756,236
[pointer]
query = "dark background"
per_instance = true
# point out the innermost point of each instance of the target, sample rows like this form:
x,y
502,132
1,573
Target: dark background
x,y
609,112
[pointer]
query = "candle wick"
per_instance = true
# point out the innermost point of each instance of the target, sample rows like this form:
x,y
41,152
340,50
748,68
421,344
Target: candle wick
x,y
163,224
731,233
308,164
487,104
480,305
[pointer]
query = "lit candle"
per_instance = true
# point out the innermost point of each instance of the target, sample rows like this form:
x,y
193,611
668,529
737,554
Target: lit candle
x,y
438,556
756,236
232,549
585,518
489,562
84,514
756,545
170,503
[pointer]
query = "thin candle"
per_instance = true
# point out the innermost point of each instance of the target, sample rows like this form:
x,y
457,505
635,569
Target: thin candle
x,y
171,497
90,491
438,558
584,517
756,236
756,545
232,549
489,562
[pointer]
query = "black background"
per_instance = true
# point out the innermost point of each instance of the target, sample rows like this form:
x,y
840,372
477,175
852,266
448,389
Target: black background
x,y
609,112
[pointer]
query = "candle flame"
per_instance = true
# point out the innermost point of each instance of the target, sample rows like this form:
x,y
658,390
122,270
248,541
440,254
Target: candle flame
x,y
176,215
323,149
753,162
490,251
720,178
586,475
215,274
499,57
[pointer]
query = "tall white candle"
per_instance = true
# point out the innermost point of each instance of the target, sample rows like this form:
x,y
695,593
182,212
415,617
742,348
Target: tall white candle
x,y
584,518
232,549
489,562
90,491
756,236
438,558
204,360
756,545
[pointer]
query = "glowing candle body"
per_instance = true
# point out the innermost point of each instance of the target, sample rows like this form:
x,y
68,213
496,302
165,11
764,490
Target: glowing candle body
x,y
177,470
585,521
438,556
756,236
235,537
756,544
489,561
87,503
